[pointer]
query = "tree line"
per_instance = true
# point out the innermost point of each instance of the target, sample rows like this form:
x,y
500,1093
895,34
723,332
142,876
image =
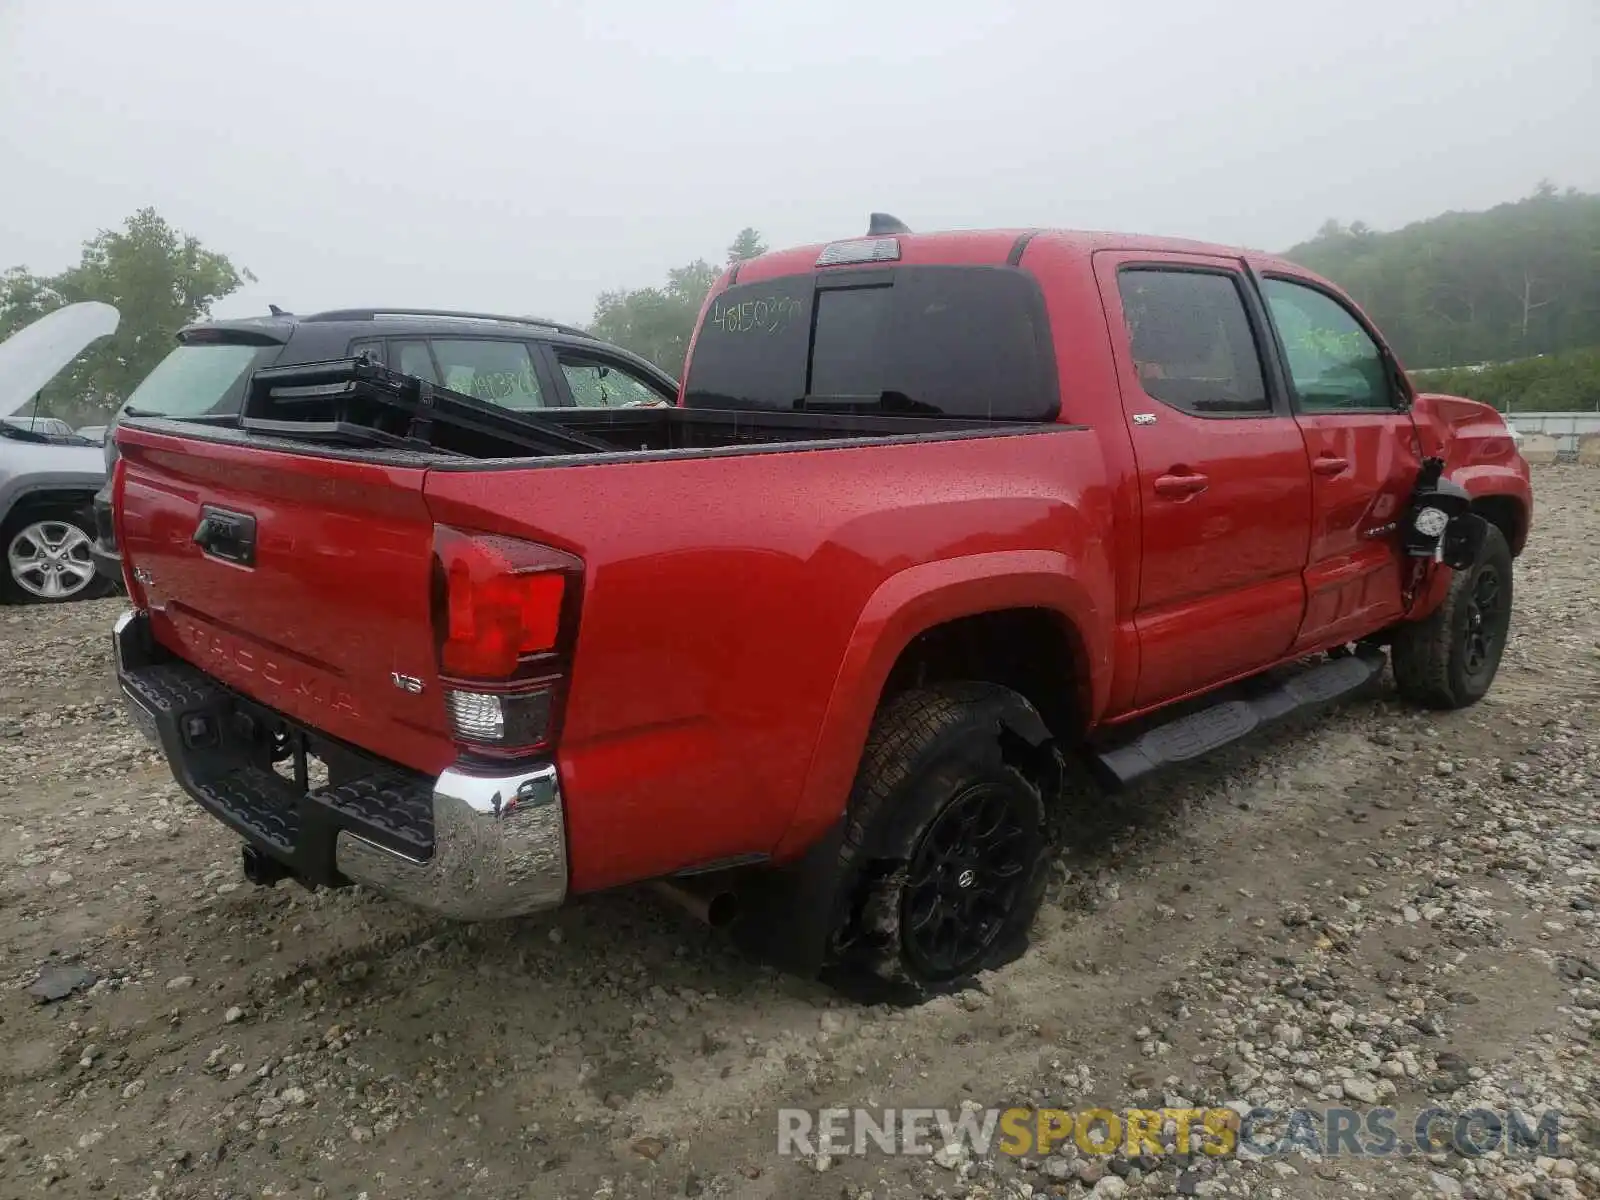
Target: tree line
x,y
1466,288
1518,281
1564,382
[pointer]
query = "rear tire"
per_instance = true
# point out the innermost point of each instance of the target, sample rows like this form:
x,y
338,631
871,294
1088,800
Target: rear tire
x,y
947,845
1449,659
46,556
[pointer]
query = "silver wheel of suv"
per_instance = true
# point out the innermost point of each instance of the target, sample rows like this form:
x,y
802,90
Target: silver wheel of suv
x,y
50,559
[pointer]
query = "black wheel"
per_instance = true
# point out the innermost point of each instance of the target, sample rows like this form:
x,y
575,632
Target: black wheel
x,y
947,841
1449,659
47,559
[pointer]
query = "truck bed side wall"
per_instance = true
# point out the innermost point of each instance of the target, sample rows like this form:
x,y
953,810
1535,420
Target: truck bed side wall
x,y
723,594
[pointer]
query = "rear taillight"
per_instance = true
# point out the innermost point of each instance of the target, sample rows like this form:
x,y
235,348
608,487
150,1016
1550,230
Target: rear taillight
x,y
505,615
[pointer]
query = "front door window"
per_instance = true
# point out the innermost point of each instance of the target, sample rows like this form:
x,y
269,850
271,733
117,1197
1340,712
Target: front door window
x,y
1334,364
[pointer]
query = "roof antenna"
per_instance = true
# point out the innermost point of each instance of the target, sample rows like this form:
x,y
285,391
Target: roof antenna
x,y
880,224
278,312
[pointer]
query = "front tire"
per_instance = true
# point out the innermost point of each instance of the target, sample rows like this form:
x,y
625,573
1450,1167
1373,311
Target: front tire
x,y
47,559
1450,658
947,841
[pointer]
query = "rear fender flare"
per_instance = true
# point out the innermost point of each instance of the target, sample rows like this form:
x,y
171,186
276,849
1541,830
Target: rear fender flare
x,y
911,602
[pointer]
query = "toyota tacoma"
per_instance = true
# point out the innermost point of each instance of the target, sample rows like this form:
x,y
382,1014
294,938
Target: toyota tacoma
x,y
938,524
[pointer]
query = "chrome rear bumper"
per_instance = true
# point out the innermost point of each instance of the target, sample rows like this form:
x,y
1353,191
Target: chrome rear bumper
x,y
499,849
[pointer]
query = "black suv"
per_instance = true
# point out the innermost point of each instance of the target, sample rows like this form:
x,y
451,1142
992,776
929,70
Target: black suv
x,y
518,362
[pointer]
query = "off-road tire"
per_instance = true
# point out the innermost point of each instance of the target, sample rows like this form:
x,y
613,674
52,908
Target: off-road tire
x,y
1430,658
929,752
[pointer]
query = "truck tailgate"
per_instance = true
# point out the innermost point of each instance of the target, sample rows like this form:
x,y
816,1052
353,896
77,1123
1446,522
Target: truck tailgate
x,y
302,582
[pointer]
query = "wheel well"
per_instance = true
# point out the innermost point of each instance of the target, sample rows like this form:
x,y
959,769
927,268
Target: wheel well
x,y
1505,514
51,499
1033,651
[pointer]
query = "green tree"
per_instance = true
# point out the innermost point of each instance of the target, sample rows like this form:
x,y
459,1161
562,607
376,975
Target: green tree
x,y
159,279
657,322
747,245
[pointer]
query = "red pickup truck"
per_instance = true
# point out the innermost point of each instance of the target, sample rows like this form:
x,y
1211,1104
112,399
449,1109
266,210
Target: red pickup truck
x,y
939,522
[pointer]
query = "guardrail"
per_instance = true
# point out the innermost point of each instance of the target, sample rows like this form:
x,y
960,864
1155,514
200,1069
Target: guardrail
x,y
1559,436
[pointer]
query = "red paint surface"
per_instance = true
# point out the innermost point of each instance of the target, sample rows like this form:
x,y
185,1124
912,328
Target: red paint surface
x,y
741,613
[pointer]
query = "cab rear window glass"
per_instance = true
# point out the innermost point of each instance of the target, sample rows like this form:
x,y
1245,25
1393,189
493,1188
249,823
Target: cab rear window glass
x,y
198,379
968,342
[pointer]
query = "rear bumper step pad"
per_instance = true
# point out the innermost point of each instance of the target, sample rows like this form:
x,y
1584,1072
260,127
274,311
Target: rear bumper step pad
x,y
216,742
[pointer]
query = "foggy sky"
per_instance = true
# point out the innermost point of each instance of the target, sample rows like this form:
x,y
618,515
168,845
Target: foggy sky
x,y
524,157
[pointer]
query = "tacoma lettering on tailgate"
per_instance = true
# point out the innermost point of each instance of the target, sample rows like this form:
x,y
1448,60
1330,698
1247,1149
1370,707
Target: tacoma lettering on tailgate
x,y
282,674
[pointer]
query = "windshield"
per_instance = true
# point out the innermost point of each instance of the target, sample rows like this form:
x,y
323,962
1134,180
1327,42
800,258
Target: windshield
x,y
969,342
197,379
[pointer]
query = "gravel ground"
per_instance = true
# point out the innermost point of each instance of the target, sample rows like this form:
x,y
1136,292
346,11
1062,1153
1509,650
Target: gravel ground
x,y
1381,907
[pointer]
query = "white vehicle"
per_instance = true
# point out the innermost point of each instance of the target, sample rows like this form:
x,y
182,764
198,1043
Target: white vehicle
x,y
48,474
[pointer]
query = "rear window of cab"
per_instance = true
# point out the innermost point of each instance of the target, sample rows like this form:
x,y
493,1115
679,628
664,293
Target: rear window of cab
x,y
968,342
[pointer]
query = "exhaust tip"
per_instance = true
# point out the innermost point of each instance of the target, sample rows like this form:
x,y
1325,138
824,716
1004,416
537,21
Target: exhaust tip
x,y
716,907
721,909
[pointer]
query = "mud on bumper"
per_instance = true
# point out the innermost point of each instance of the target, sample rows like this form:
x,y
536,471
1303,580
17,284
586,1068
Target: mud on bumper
x,y
467,844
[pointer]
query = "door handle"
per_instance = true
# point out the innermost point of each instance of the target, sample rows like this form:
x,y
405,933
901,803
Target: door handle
x,y
1330,464
1181,485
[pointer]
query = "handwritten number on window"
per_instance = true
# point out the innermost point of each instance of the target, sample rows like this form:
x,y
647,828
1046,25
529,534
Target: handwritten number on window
x,y
769,315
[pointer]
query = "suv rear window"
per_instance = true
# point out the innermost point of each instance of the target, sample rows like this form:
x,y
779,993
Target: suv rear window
x,y
953,341
199,378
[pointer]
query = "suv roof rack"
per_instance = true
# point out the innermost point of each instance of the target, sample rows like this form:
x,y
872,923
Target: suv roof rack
x,y
370,314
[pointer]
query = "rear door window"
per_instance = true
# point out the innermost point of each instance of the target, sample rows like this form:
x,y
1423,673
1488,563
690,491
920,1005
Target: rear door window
x,y
1191,341
498,371
199,378
954,341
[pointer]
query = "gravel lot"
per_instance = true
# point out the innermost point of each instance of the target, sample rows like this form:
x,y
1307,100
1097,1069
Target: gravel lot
x,y
1386,906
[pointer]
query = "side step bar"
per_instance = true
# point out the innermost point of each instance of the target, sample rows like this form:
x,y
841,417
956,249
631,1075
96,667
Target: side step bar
x,y
1199,733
